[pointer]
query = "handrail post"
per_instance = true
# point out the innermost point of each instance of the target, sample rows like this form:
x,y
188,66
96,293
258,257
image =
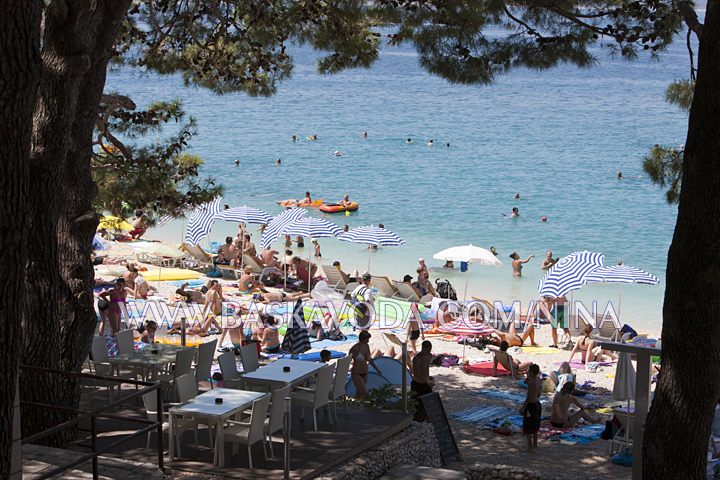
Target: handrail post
x,y
94,448
160,447
404,379
286,439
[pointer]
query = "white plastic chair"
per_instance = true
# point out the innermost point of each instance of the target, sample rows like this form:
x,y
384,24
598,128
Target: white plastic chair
x,y
125,341
101,364
275,422
206,354
228,367
317,397
250,432
342,366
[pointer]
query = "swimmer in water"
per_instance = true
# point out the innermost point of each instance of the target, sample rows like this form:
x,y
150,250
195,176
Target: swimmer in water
x,y
293,138
337,153
278,161
620,176
237,163
408,140
517,196
447,144
346,228
365,134
430,143
313,137
515,212
493,250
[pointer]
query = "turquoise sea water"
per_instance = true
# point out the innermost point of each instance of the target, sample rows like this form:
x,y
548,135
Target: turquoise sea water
x,y
557,137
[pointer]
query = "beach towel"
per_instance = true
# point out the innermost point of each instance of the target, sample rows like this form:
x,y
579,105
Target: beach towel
x,y
315,356
579,364
582,435
500,395
515,421
482,415
539,350
547,429
333,343
193,283
486,369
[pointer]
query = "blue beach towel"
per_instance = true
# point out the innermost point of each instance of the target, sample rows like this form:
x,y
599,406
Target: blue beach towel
x,y
197,283
314,356
582,435
514,420
482,415
333,343
501,395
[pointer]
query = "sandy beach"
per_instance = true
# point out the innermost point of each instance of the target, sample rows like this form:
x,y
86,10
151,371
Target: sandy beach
x,y
459,389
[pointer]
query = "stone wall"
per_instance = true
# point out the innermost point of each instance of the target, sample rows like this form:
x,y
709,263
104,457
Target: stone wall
x,y
416,445
486,471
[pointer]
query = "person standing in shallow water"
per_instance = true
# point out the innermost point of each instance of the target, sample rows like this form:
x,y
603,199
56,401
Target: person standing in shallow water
x,y
517,264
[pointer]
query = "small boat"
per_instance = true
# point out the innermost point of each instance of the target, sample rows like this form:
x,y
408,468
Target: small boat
x,y
295,203
337,208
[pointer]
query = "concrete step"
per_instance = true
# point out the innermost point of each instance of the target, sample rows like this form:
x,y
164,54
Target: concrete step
x,y
414,472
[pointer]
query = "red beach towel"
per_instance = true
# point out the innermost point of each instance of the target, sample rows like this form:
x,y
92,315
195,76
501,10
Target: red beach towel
x,y
486,369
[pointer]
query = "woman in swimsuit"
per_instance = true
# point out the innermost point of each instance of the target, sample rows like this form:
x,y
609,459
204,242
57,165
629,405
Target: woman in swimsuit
x,y
517,263
589,350
247,283
115,296
361,355
269,339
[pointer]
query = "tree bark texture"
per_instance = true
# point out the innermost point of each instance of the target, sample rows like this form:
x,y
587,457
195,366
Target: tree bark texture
x,y
679,421
77,43
19,73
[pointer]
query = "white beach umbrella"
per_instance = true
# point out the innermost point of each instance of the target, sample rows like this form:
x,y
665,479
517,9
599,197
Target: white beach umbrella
x,y
468,254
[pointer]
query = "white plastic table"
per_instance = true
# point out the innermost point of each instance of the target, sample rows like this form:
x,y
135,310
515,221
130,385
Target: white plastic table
x,y
204,406
272,374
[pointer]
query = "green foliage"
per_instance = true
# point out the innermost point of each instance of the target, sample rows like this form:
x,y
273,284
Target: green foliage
x,y
680,94
159,177
664,166
230,46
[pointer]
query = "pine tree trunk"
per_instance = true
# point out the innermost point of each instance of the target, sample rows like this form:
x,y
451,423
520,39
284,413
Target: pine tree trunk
x,y
19,71
77,44
678,425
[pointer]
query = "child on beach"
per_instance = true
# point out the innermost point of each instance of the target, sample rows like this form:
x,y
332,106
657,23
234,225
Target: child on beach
x,y
531,409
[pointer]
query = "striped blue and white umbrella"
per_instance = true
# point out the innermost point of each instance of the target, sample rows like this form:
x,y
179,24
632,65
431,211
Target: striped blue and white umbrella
x,y
277,225
201,222
569,273
312,227
372,235
622,274
244,214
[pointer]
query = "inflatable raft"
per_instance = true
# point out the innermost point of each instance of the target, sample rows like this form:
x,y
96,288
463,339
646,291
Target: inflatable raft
x,y
337,208
295,203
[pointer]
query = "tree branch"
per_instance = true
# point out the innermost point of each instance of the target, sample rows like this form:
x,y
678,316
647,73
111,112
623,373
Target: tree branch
x,y
690,16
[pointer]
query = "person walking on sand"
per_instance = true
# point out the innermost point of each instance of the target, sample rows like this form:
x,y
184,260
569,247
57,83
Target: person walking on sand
x,y
422,382
531,410
517,264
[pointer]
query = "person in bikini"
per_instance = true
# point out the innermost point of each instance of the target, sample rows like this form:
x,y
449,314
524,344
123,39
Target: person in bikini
x,y
589,350
269,338
115,297
517,264
414,327
360,354
503,358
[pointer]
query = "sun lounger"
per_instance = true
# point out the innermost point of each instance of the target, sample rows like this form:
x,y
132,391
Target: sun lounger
x,y
199,259
405,291
334,279
229,272
606,331
384,286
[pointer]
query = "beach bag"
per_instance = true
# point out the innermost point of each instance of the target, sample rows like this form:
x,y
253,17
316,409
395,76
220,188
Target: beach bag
x,y
446,360
628,329
445,289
